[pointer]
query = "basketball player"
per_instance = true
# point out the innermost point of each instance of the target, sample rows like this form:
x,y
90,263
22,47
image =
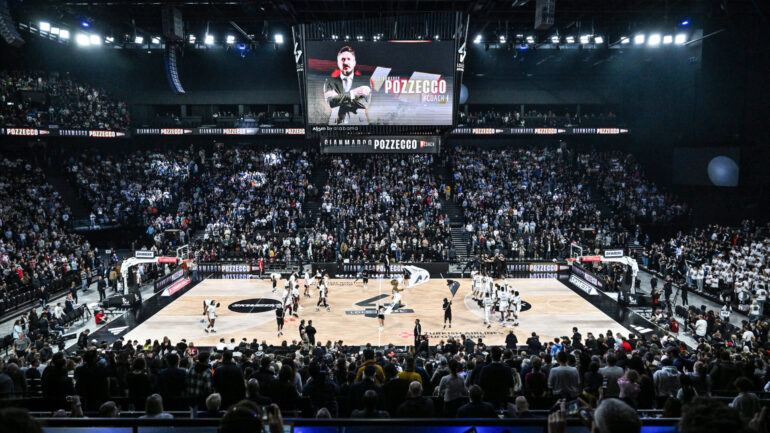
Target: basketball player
x,y
365,278
212,316
504,306
279,319
206,303
516,307
322,293
308,282
447,312
274,277
488,303
295,299
292,279
381,316
475,285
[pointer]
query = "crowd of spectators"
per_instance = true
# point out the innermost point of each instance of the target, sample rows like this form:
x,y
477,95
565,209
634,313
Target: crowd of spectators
x,y
455,378
530,203
621,179
121,186
383,205
37,100
533,118
728,262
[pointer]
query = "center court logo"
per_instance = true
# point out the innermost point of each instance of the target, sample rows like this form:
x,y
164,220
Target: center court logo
x,y
370,307
254,305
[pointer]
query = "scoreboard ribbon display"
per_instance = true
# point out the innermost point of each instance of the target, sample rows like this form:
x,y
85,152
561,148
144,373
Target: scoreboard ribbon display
x,y
377,144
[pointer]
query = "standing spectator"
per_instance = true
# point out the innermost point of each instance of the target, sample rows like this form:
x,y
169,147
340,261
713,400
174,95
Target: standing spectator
x,y
496,380
21,345
563,380
610,375
228,380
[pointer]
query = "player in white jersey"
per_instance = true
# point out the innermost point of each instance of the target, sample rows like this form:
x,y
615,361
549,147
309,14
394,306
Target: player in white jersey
x,y
211,316
295,299
308,282
488,285
286,298
725,312
274,277
502,298
516,308
488,303
322,294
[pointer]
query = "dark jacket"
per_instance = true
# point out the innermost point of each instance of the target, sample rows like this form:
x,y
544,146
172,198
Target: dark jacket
x,y
496,381
476,410
420,407
228,381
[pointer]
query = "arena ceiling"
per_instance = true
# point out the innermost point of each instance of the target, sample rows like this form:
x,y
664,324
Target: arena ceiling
x,y
258,17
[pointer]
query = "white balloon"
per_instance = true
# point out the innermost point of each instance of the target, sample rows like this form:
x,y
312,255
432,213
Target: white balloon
x,y
723,171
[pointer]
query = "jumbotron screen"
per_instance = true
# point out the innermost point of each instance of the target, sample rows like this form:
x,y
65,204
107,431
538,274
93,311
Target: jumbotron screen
x,y
407,83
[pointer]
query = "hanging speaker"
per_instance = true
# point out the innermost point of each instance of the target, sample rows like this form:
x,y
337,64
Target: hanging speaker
x,y
7,27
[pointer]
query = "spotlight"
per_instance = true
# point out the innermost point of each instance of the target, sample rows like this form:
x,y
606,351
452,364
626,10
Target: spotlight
x,y
624,40
109,39
82,40
685,23
230,39
156,40
191,38
95,40
64,34
654,40
45,27
502,39
278,38
139,40
680,39
668,39
570,39
555,39
477,40
241,47
347,37
639,39
85,24
360,38
584,39
436,37
209,40
54,30
530,39
598,40
334,37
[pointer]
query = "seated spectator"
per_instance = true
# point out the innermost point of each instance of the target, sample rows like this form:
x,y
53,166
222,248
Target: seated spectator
x,y
370,402
108,409
153,408
746,402
476,408
213,403
416,406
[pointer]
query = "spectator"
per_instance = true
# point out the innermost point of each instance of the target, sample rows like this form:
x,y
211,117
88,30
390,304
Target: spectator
x,y
416,406
228,380
476,408
370,403
563,380
213,404
153,408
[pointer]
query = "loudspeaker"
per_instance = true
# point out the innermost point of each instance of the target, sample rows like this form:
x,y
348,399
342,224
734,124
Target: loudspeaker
x,y
8,27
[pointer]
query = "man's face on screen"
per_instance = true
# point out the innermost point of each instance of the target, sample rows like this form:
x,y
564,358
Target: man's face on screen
x,y
346,62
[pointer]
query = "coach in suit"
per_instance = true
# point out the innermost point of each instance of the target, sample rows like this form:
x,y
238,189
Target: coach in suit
x,y
346,92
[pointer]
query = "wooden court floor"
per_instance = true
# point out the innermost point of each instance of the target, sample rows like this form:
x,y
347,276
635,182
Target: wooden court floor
x,y
555,309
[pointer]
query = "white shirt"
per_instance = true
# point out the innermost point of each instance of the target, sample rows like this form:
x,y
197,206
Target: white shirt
x,y
700,327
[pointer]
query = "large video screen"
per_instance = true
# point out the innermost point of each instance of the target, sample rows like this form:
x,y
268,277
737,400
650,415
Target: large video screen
x,y
380,83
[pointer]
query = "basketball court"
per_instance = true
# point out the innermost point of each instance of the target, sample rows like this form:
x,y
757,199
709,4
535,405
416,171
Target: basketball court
x,y
247,311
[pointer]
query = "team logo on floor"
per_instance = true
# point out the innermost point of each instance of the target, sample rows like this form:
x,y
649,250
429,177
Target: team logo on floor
x,y
370,307
254,305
